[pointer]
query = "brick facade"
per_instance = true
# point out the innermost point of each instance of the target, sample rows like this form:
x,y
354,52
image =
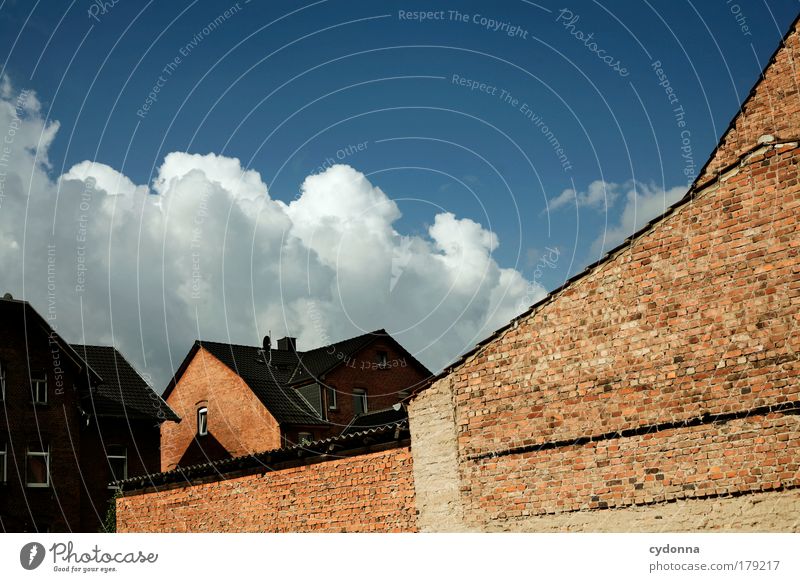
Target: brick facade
x,y
140,438
373,492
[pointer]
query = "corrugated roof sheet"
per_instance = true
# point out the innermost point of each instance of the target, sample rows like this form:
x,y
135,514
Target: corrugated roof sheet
x,y
330,446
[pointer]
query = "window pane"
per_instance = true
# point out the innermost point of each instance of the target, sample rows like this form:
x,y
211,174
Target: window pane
x,y
2,381
331,397
119,468
37,469
40,391
202,421
359,401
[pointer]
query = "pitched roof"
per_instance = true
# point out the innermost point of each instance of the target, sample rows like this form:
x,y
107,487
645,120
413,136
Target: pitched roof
x,y
315,363
122,392
276,385
268,383
11,308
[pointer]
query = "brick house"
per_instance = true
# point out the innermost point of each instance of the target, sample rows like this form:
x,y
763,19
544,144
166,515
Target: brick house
x,y
74,418
237,400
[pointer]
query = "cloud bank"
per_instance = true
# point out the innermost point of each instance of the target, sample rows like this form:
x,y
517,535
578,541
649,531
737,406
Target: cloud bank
x,y
204,251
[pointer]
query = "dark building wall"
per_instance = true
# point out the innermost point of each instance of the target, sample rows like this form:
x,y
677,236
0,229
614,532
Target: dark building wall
x,y
141,440
22,424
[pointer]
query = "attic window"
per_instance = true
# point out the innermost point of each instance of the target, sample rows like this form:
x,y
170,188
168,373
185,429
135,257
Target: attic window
x,y
202,421
383,359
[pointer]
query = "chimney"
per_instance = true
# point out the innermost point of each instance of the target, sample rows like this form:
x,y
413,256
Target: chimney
x,y
288,344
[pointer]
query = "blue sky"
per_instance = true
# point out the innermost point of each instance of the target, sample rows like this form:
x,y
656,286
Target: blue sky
x,y
290,87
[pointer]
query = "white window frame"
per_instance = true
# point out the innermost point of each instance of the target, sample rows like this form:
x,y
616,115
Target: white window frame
x,y
202,427
45,452
35,384
124,457
302,441
331,392
360,393
4,463
2,381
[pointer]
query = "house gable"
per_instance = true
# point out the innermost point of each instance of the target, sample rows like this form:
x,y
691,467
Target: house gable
x,y
238,422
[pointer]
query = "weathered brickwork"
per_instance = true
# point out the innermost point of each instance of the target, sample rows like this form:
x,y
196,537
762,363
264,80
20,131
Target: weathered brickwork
x,y
667,375
436,472
373,492
757,512
773,108
751,454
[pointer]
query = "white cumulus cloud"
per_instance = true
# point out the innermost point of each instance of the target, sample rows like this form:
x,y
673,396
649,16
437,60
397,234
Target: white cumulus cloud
x,y
205,251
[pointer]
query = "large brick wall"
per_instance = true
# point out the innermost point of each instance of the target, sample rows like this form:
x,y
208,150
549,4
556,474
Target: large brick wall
x,y
372,492
669,372
667,375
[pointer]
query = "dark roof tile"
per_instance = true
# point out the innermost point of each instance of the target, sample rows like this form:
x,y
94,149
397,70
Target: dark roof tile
x,y
123,392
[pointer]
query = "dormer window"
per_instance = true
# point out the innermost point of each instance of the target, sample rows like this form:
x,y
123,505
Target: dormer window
x,y
202,421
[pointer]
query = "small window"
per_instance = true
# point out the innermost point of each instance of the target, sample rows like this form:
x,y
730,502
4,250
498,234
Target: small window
x,y
383,359
202,421
39,390
2,381
304,438
359,400
331,398
118,462
37,467
3,463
